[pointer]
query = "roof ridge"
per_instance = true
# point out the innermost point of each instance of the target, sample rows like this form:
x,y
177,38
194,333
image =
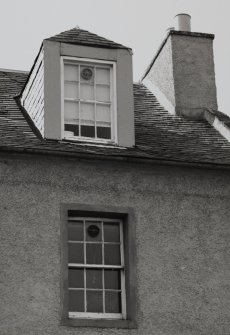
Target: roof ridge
x,y
84,37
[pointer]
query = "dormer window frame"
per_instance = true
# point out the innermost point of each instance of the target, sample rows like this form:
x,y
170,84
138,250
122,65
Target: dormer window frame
x,y
80,61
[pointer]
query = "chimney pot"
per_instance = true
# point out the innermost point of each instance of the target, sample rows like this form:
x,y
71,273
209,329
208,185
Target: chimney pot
x,y
183,22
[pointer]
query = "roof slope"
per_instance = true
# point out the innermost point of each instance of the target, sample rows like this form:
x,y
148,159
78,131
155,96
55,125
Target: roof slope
x,y
159,135
84,37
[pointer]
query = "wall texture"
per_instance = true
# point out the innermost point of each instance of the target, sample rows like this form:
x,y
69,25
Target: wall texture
x,y
182,238
193,68
183,71
161,73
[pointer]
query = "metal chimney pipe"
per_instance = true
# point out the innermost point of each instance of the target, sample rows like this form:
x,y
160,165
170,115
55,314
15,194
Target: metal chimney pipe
x,y
183,22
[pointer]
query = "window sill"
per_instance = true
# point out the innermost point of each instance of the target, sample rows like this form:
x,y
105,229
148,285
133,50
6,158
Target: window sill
x,y
81,141
98,323
88,139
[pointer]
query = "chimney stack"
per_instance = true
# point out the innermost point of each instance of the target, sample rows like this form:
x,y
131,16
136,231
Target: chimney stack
x,y
182,74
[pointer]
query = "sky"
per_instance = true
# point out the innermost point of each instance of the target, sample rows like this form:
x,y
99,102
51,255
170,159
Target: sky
x,y
140,25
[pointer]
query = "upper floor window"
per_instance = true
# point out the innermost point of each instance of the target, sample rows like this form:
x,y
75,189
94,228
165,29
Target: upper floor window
x,y
98,266
89,100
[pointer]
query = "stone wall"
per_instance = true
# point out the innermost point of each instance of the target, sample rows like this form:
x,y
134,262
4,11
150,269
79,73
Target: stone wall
x,y
182,239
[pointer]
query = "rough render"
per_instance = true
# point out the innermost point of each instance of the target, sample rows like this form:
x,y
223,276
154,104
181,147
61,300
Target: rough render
x,y
161,73
182,238
194,75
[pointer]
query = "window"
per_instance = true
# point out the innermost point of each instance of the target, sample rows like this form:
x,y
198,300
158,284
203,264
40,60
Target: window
x,y
98,267
96,280
89,100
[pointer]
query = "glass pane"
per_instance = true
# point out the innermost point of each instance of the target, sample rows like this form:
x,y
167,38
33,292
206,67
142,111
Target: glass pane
x,y
76,301
71,130
71,90
112,279
103,93
93,231
112,302
76,252
71,72
87,92
94,301
112,232
94,278
87,112
71,110
103,113
75,231
112,254
87,74
76,278
93,253
88,131
104,132
103,76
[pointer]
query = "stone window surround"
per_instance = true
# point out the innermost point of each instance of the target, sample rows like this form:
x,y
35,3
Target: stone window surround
x,y
128,218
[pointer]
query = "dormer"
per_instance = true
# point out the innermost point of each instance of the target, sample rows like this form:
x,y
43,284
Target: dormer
x,y
80,88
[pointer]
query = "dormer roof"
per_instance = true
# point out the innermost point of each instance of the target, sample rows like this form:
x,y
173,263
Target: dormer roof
x,y
79,36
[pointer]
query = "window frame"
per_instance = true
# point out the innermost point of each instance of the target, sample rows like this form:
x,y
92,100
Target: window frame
x,y
114,135
126,215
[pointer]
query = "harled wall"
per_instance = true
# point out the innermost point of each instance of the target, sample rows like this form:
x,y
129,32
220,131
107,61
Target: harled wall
x,y
182,237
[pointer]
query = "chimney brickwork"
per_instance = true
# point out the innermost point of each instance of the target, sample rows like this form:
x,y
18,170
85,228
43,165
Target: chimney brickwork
x,y
183,70
194,75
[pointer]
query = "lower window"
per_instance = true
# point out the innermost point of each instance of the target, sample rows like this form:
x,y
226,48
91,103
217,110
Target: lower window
x,y
96,276
98,266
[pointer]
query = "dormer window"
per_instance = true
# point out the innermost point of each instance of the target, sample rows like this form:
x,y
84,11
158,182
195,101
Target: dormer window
x,y
89,110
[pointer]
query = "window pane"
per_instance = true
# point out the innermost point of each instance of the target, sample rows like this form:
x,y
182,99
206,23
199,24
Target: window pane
x,y
104,132
87,92
112,232
112,254
71,90
103,93
76,252
75,231
71,130
103,113
71,72
112,279
88,131
94,301
93,231
71,110
112,302
76,301
87,74
87,111
76,278
93,253
93,278
103,76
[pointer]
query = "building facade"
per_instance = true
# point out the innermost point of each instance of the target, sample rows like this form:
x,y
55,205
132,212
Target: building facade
x,y
115,203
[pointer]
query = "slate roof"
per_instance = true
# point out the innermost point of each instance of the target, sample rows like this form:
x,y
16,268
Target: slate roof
x,y
159,135
79,36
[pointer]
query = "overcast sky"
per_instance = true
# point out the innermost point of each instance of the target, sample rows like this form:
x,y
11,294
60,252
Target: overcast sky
x,y
140,25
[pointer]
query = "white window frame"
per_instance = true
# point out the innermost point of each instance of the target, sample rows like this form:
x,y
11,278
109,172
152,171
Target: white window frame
x,y
87,315
77,60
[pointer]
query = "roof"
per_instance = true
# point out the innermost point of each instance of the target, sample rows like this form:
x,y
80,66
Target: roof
x,y
159,136
79,36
